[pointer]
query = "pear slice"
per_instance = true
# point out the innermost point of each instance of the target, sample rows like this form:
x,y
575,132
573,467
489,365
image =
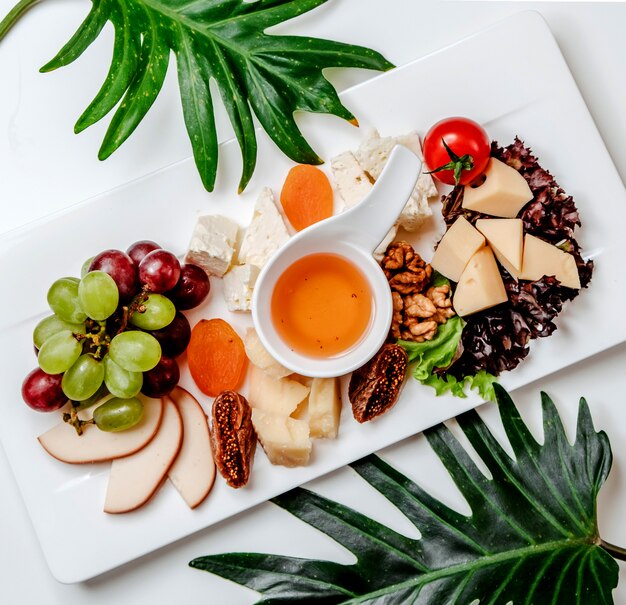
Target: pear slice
x,y
135,479
193,471
63,443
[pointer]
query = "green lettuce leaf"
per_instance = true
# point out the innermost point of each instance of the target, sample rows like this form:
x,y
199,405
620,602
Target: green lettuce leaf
x,y
439,353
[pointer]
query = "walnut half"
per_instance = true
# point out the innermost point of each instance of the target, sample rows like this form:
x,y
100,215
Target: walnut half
x,y
374,388
232,437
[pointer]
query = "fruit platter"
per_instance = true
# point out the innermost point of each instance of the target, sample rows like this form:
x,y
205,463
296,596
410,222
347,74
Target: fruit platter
x,y
145,322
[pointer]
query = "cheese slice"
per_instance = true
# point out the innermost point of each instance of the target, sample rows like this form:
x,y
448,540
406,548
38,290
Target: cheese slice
x,y
279,396
542,258
480,286
457,246
324,408
503,193
506,238
286,441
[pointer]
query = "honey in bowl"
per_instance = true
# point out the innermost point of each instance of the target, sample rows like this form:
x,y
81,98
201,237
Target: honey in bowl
x,y
322,305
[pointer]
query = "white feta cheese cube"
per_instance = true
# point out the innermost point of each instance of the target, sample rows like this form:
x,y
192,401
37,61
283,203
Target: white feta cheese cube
x,y
265,234
352,182
238,287
212,244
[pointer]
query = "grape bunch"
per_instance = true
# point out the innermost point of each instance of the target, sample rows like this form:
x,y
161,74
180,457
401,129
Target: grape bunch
x,y
117,330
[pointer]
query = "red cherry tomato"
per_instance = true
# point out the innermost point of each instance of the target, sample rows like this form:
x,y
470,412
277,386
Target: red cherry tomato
x,y
467,154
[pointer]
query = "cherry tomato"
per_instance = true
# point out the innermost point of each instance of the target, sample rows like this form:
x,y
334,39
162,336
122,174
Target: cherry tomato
x,y
466,155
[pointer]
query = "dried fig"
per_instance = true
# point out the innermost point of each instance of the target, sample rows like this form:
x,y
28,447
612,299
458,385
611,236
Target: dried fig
x,y
232,437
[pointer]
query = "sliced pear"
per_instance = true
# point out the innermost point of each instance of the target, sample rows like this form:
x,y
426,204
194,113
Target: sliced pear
x,y
324,408
260,357
506,238
286,441
279,396
193,471
62,441
135,479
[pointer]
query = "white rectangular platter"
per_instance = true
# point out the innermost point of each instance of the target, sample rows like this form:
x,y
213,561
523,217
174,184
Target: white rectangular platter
x,y
530,94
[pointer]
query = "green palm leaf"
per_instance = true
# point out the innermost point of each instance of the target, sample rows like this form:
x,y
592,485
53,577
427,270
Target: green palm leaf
x,y
532,537
213,40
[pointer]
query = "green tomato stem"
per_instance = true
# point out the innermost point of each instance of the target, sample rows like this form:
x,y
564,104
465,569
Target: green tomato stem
x,y
617,552
14,16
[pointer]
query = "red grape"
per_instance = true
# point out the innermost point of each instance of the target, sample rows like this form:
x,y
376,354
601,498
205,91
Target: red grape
x,y
159,271
174,337
139,249
192,287
121,268
43,392
161,379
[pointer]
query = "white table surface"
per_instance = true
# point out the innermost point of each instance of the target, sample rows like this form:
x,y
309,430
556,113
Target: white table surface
x,y
45,167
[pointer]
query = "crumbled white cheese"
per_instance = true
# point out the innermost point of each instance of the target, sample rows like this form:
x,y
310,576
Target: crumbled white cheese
x,y
265,234
238,286
212,244
372,156
352,182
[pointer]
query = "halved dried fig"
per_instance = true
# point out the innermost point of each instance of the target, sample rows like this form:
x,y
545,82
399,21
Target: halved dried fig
x,y
232,437
374,388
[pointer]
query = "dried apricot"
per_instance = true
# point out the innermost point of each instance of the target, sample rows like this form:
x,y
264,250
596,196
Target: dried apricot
x,y
307,196
216,356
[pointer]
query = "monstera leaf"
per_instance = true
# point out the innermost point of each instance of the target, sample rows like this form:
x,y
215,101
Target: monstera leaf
x,y
532,537
213,40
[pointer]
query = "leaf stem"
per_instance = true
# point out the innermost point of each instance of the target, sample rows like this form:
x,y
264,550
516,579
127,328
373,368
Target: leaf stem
x,y
617,552
14,15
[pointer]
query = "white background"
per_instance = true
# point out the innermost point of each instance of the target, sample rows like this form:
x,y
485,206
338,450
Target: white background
x,y
45,167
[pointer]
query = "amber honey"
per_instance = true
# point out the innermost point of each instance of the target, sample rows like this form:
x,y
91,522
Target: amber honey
x,y
322,305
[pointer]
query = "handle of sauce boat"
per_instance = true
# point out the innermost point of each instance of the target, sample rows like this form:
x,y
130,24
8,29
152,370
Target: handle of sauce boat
x,y
370,220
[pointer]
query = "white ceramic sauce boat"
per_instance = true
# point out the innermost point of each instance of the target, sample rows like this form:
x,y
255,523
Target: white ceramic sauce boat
x,y
353,234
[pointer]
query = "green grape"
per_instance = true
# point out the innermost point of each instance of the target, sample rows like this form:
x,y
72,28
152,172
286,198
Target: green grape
x,y
59,353
63,300
97,397
83,379
118,414
85,268
98,295
51,325
121,382
159,312
135,351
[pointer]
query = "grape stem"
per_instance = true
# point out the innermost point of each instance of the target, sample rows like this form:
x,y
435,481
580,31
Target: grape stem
x,y
73,420
100,340
136,306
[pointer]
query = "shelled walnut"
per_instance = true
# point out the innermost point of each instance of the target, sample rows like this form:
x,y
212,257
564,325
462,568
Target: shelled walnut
x,y
418,306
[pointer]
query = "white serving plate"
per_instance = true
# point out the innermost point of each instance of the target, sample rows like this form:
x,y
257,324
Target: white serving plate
x,y
530,94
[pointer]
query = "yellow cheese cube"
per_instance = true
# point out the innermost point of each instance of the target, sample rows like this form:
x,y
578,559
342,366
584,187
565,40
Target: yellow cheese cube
x,y
506,238
480,285
456,247
503,193
542,258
